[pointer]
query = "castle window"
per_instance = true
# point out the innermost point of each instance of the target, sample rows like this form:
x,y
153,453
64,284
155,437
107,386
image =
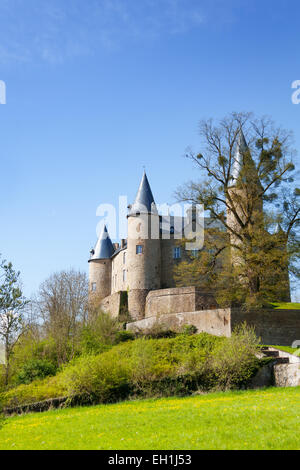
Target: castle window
x,y
124,275
124,258
177,252
139,249
172,230
94,286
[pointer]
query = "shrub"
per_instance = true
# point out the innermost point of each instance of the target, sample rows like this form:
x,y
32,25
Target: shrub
x,y
123,336
234,362
98,379
188,329
35,369
99,335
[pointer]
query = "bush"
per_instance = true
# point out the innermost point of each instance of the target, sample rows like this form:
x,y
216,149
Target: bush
x,y
188,330
98,379
35,369
99,335
123,336
234,362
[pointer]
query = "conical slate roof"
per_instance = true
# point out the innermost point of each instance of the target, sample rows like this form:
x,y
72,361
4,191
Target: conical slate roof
x,y
241,148
144,201
278,229
104,247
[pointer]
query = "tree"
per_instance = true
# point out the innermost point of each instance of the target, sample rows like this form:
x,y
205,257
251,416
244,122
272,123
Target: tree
x,y
62,302
247,189
12,304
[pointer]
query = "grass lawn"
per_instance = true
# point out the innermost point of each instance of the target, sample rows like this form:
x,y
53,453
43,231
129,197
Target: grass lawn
x,y
286,305
264,419
288,349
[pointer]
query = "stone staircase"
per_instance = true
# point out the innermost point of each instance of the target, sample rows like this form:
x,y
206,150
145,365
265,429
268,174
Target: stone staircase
x,y
275,354
285,367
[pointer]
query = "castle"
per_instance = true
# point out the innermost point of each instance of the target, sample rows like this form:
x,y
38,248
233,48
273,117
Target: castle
x,y
137,274
144,261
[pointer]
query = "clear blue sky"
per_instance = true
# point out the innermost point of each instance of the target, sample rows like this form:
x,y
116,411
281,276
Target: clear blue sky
x,y
96,89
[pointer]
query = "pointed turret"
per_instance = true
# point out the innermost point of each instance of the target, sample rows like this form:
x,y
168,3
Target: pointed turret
x,y
143,250
237,166
104,247
144,200
243,168
278,229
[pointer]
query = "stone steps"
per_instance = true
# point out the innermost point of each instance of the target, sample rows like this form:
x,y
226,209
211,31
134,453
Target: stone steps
x,y
274,354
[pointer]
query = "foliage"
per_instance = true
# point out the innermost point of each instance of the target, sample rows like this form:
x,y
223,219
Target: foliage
x,y
31,347
63,307
149,367
123,335
12,304
188,329
100,333
35,369
245,261
234,362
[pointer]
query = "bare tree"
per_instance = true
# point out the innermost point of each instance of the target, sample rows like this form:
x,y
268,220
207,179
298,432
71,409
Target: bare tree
x,y
63,301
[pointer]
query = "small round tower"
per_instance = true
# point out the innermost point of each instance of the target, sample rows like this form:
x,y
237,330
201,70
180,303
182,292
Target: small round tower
x,y
100,267
143,250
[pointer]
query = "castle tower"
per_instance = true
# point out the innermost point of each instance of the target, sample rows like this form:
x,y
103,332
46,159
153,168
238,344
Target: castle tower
x,y
100,267
281,277
143,249
244,190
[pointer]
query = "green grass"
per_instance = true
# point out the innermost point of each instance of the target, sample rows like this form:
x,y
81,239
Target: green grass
x,y
264,419
286,305
288,349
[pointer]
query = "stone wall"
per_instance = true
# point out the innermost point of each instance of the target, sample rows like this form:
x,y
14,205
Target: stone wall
x,y
287,375
111,304
119,280
178,300
215,322
277,327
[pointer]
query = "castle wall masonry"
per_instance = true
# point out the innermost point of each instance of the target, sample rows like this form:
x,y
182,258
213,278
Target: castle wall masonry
x,y
277,327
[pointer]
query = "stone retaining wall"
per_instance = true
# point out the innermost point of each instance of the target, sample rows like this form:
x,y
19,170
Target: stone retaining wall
x,y
215,322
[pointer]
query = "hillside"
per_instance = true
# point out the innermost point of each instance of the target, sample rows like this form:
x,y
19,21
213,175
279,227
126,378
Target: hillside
x,y
265,419
146,368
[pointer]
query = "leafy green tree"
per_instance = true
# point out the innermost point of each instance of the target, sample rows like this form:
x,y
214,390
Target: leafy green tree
x,y
245,260
12,304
